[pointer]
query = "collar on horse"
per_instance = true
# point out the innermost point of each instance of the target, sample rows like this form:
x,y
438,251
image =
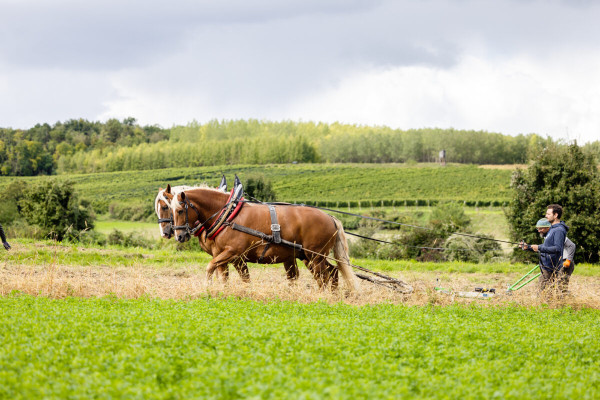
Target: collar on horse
x,y
222,186
227,213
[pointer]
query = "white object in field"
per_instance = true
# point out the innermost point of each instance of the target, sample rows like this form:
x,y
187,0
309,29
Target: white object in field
x,y
477,295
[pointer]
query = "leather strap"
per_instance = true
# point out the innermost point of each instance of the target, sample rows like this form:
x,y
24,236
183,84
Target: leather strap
x,y
275,227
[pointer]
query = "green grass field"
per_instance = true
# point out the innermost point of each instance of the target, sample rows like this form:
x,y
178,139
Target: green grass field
x,y
81,321
230,348
306,182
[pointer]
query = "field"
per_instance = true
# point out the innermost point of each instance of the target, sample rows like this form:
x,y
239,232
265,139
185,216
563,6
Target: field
x,y
334,184
231,348
123,322
117,322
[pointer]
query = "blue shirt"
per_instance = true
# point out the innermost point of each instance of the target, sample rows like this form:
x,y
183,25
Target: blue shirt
x,y
552,250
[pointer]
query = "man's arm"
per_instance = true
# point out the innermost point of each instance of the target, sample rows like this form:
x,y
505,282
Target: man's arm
x,y
557,245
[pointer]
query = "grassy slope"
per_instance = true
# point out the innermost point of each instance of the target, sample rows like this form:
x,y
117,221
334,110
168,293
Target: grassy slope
x,y
304,182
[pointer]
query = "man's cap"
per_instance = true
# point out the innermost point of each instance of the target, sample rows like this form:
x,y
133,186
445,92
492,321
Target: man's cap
x,y
543,223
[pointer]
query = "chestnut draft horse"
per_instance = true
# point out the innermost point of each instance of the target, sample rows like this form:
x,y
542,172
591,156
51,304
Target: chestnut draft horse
x,y
317,233
162,207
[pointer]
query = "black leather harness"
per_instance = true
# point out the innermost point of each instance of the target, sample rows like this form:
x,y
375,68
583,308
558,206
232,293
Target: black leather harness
x,y
275,236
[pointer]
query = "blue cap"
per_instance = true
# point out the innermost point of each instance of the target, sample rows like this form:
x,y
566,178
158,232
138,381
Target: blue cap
x,y
543,223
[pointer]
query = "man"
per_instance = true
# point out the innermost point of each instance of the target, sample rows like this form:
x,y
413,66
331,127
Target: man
x,y
3,237
543,226
551,251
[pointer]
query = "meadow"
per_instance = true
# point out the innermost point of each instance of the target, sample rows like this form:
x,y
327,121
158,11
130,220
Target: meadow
x,y
105,322
333,185
81,321
225,348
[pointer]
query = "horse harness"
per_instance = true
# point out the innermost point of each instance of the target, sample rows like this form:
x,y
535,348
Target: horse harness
x,y
170,219
275,237
225,218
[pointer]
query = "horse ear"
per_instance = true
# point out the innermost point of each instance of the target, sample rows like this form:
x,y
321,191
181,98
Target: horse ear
x,y
223,184
182,196
168,189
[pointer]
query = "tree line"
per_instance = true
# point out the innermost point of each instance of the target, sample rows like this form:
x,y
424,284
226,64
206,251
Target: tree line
x,y
84,146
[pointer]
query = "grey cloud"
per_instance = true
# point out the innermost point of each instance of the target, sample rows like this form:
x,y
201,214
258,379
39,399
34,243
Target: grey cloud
x,y
113,34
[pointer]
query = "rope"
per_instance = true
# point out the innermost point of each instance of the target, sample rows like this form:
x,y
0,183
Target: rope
x,y
414,247
383,220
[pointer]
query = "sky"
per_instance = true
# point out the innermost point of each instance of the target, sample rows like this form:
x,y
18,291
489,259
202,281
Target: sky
x,y
507,66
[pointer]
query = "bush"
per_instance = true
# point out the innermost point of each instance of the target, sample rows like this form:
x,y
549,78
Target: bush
x,y
449,218
132,239
91,237
259,188
55,207
9,206
565,176
470,249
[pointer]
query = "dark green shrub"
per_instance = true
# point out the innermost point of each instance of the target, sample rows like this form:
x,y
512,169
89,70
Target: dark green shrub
x,y
55,207
565,176
260,188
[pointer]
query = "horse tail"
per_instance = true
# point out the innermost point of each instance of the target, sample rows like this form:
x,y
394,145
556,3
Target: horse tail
x,y
340,252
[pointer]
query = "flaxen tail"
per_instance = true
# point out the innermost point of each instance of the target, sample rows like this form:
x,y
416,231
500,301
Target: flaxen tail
x,y
340,252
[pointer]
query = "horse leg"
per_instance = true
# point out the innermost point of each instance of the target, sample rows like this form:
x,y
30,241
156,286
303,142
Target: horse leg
x,y
291,269
223,273
331,272
317,268
220,261
242,269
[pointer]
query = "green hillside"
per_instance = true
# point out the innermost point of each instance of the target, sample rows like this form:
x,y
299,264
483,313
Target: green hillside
x,y
327,184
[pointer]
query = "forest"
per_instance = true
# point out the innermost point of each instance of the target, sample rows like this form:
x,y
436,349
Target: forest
x,y
81,146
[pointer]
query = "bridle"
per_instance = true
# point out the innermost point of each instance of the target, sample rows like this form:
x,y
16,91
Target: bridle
x,y
170,219
187,227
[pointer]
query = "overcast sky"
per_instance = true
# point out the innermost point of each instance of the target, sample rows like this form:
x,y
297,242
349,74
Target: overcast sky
x,y
508,66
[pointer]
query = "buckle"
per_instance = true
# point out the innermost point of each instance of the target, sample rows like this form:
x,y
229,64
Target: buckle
x,y
275,228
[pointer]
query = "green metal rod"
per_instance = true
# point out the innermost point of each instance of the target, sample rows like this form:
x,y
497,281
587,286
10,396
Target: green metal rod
x,y
512,287
523,284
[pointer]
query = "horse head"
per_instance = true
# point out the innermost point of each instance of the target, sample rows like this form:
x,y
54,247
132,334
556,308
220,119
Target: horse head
x,y
184,217
162,207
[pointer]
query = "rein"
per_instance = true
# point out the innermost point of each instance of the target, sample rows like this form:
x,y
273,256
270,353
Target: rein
x,y
187,204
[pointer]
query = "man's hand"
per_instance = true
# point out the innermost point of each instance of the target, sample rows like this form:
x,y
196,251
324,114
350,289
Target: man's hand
x,y
525,246
6,245
534,247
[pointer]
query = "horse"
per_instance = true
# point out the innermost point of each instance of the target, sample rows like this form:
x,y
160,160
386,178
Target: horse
x,y
310,235
162,207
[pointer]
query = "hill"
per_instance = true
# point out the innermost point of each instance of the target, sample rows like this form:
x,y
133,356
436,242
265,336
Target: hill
x,y
333,185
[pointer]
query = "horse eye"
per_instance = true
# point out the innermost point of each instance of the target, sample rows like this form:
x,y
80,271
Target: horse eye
x,y
180,212
165,208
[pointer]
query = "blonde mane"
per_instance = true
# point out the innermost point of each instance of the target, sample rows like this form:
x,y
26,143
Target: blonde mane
x,y
175,190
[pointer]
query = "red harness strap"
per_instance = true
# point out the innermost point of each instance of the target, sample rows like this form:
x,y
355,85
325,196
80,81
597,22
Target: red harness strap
x,y
235,211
